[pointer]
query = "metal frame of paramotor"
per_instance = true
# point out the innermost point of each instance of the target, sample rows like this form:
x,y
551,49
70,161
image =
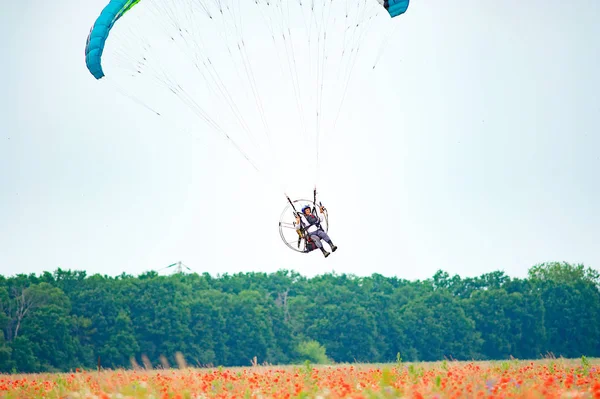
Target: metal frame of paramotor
x,y
287,223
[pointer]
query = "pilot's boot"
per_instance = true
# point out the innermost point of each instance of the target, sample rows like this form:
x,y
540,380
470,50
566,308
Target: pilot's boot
x,y
333,247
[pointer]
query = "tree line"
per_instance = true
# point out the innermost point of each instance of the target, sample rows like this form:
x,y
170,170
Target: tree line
x,y
64,320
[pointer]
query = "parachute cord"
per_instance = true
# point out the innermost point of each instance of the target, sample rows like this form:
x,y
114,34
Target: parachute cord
x,y
249,72
214,124
180,22
275,183
199,112
351,42
195,57
216,78
320,84
238,38
197,48
269,23
354,57
383,45
130,96
294,70
252,81
235,39
184,96
295,85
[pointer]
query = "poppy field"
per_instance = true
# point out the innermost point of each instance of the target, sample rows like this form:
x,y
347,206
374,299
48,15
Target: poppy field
x,y
550,378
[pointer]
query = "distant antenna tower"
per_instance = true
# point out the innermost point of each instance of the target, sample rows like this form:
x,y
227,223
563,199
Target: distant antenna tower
x,y
178,267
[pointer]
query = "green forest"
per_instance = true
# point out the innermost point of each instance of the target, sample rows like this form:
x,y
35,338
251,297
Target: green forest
x,y
63,320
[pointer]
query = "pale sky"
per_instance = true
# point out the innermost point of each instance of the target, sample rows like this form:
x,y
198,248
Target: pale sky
x,y
473,146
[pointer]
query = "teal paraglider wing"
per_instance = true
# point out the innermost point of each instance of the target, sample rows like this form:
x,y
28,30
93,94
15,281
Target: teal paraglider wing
x,y
114,10
395,7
